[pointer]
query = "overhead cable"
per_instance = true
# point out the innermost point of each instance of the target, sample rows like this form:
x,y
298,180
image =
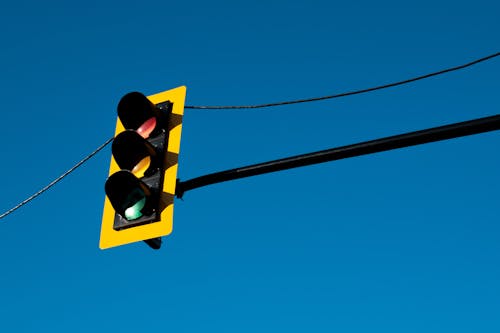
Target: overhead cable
x,y
57,180
348,93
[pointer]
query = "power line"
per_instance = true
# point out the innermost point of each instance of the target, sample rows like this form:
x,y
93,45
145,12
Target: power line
x,y
349,93
57,180
257,106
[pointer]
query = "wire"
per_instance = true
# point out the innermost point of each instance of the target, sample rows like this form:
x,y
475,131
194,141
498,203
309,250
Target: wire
x,y
349,93
257,106
57,180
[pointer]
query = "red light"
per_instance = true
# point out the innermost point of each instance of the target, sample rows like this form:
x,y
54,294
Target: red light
x,y
145,129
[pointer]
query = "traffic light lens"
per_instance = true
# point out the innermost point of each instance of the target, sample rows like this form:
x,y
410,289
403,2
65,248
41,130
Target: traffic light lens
x,y
145,129
141,167
135,202
134,212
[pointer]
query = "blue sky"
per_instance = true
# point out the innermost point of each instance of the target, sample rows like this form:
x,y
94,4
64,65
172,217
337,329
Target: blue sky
x,y
401,241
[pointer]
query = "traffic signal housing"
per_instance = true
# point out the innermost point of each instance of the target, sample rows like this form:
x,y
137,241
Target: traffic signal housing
x,y
140,188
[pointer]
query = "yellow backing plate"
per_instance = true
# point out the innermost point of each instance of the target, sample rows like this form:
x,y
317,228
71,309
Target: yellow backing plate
x,y
111,237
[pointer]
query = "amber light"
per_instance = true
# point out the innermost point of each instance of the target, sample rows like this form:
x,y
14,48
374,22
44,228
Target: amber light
x,y
141,167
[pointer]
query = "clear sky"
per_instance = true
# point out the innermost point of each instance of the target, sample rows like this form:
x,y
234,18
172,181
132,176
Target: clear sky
x,y
401,241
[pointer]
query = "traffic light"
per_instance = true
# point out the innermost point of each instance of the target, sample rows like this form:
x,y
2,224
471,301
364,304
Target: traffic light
x,y
140,188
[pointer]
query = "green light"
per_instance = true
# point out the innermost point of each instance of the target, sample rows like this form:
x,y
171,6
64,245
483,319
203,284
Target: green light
x,y
134,212
135,202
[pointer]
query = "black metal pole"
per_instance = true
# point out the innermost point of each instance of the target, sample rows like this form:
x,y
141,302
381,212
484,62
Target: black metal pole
x,y
154,243
434,134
